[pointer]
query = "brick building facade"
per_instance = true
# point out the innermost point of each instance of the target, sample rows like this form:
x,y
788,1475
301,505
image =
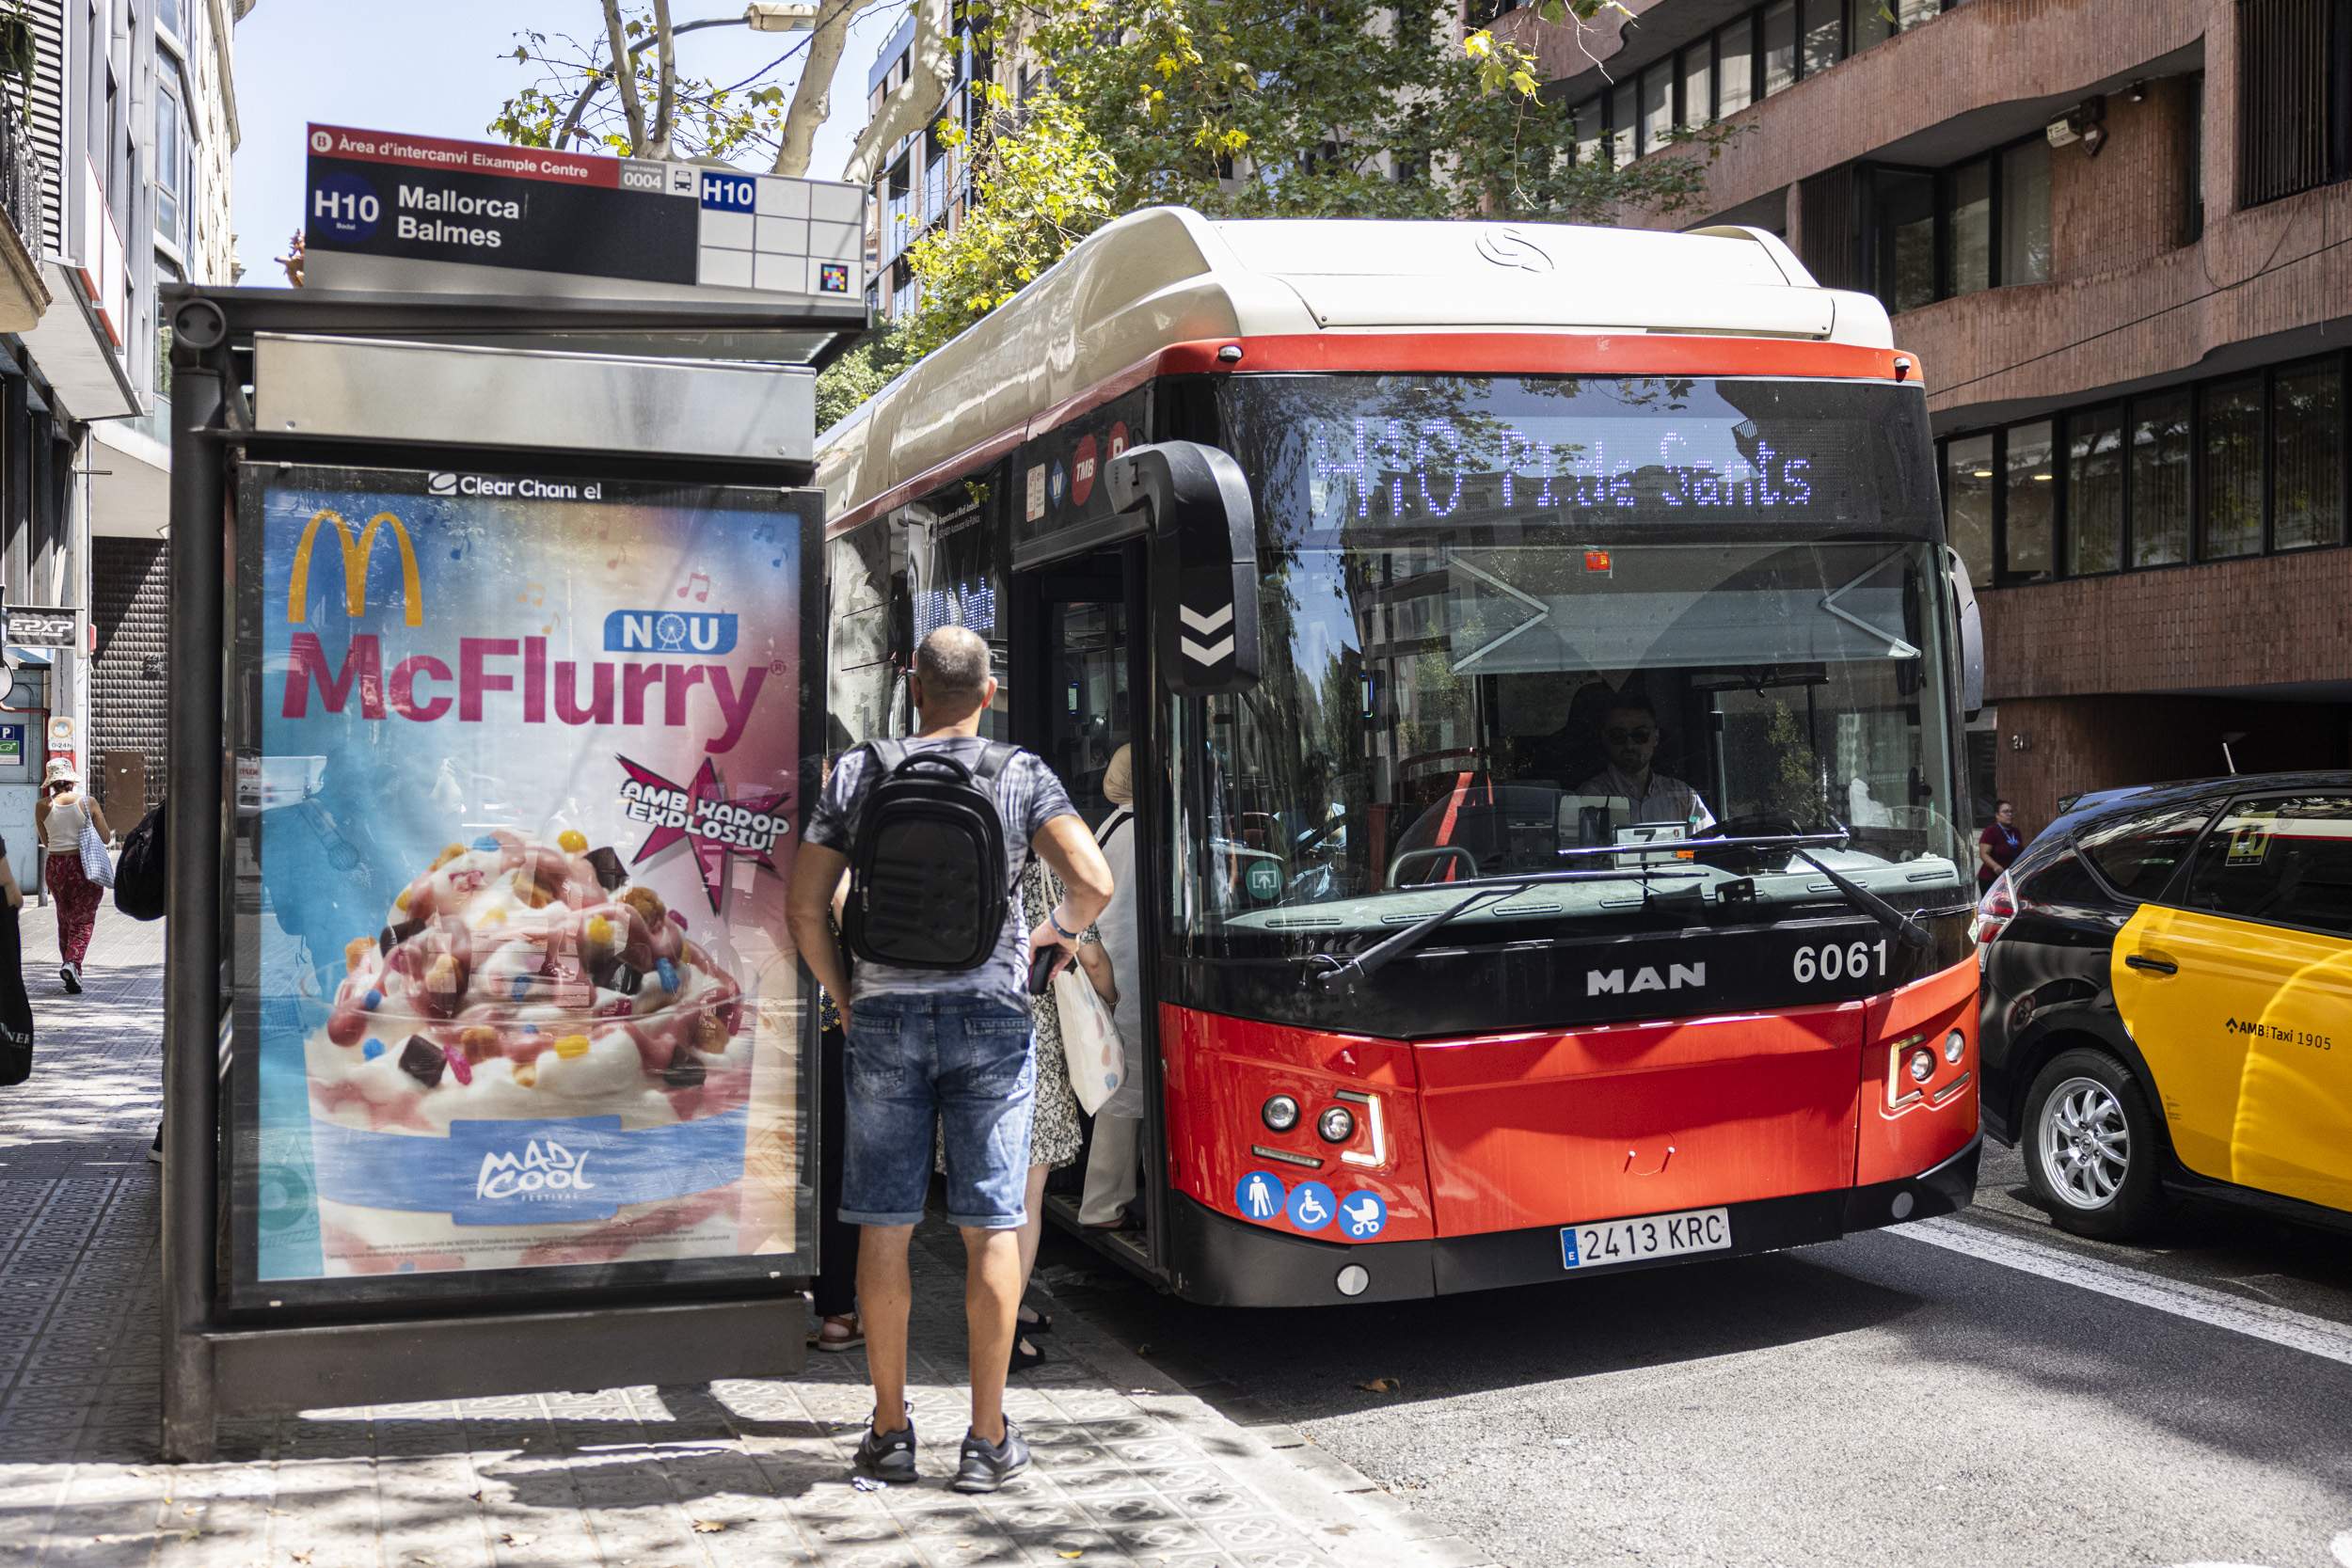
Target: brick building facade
x,y
2113,233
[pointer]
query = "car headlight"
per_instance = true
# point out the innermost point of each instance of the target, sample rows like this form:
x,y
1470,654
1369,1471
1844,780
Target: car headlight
x,y
1336,1125
1281,1112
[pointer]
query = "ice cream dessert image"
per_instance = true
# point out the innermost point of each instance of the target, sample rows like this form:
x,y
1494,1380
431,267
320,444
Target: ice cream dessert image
x,y
531,1062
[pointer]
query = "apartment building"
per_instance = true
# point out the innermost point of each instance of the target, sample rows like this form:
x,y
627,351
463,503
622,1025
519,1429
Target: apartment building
x,y
923,184
2113,233
181,64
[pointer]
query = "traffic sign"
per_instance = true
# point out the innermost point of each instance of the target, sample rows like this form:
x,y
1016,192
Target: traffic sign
x,y
387,211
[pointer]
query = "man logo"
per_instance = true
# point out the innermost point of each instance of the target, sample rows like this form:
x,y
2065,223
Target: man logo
x,y
1613,982
441,484
355,556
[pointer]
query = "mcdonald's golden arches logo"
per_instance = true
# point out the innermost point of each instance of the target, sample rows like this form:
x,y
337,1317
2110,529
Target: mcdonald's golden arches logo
x,y
356,554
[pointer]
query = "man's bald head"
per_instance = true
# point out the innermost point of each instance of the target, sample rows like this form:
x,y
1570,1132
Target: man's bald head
x,y
951,672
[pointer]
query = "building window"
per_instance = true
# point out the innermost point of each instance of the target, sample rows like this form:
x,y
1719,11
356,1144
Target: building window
x,y
170,15
1822,24
2306,456
2230,478
1735,67
1905,204
2159,482
171,167
1875,21
2029,503
1754,56
1970,209
2094,491
2244,464
2287,65
1591,125
1658,106
1698,85
1780,47
2026,212
1986,224
1968,509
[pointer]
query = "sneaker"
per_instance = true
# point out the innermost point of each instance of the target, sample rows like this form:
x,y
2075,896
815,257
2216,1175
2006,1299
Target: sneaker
x,y
72,979
984,1467
888,1456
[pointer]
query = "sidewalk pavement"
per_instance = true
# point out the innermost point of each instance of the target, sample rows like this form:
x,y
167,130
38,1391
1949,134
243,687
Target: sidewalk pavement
x,y
1129,1468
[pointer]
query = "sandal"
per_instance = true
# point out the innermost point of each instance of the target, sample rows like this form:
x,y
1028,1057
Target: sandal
x,y
1025,1356
1034,1321
840,1332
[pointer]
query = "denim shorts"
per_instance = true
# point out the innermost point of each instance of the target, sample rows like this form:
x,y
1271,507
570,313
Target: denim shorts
x,y
965,1061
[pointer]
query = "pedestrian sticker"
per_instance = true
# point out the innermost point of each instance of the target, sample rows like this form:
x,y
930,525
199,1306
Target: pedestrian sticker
x,y
1311,1205
1363,1215
1260,1196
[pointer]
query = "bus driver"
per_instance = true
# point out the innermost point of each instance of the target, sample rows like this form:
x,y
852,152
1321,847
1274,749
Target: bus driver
x,y
1629,731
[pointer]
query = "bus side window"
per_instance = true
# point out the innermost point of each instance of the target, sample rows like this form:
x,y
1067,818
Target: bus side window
x,y
861,677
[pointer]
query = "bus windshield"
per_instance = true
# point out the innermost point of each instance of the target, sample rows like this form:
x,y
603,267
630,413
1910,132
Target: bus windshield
x,y
1604,626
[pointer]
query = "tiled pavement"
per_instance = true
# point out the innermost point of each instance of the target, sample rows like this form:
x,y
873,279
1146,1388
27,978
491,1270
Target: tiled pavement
x,y
714,1475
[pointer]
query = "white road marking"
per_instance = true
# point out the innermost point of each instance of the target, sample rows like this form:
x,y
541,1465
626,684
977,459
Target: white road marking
x,y
2279,1325
2344,1549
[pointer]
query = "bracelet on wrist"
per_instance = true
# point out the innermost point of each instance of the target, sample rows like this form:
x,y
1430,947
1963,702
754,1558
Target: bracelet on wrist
x,y
1053,918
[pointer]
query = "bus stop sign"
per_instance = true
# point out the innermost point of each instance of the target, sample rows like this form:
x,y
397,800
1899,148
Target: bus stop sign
x,y
391,212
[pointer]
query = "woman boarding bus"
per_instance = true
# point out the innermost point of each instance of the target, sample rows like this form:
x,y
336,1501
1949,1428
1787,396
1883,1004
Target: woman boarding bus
x,y
1546,713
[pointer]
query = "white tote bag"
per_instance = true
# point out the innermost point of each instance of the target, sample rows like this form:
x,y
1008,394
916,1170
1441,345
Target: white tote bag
x,y
1089,1040
96,864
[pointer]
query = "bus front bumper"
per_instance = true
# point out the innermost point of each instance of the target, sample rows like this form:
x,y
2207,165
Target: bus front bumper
x,y
1221,1262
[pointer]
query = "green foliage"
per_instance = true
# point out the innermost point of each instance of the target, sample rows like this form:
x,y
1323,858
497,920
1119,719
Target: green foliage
x,y
1039,187
1263,108
856,376
721,123
1796,787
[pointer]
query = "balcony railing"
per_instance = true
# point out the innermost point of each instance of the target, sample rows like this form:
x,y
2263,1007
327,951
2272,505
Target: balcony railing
x,y
19,175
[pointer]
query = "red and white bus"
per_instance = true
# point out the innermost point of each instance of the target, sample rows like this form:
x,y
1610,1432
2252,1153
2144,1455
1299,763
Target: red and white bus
x,y
1546,675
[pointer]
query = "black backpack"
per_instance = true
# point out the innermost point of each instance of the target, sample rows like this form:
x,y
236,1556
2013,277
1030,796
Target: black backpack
x,y
927,868
141,877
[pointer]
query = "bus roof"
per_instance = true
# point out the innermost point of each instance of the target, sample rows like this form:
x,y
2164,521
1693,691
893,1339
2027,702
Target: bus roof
x,y
1108,314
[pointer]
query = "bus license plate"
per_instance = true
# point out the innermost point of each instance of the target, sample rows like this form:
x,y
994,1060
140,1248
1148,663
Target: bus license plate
x,y
1607,1242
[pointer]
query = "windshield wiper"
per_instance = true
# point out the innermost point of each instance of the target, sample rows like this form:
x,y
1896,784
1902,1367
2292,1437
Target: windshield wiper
x,y
1380,953
1906,930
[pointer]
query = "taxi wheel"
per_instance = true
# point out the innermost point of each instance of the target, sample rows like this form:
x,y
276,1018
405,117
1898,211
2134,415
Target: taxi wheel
x,y
2090,1148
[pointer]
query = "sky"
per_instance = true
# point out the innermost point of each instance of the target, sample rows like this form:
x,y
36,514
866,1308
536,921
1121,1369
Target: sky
x,y
442,68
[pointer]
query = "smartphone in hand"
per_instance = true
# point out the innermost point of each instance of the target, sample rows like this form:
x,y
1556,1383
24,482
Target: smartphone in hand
x,y
1042,965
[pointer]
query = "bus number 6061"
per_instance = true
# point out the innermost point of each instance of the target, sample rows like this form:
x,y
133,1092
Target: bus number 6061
x,y
1855,960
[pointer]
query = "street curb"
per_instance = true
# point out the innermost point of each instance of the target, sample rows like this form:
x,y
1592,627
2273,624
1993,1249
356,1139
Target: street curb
x,y
1344,1510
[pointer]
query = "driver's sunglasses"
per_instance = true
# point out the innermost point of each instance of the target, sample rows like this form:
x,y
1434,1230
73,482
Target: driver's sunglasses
x,y
1620,737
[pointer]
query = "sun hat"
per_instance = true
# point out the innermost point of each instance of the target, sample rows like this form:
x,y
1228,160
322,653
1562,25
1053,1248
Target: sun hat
x,y
61,767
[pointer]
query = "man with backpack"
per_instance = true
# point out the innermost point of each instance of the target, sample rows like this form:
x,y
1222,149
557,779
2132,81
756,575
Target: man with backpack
x,y
935,832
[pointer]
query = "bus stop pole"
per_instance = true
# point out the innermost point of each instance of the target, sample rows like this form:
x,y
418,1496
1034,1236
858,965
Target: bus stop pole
x,y
192,932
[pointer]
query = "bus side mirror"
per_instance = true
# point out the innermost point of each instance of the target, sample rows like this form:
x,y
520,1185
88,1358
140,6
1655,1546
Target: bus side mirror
x,y
1971,636
1204,561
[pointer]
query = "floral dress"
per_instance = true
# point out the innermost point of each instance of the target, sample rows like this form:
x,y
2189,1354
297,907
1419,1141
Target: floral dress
x,y
1057,1136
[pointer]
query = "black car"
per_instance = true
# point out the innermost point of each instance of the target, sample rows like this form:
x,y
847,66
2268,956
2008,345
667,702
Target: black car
x,y
2168,1003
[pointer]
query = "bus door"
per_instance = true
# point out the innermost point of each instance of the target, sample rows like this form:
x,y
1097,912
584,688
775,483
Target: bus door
x,y
1080,673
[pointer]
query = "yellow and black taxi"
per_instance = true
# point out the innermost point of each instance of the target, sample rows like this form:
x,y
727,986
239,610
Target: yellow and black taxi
x,y
2168,1003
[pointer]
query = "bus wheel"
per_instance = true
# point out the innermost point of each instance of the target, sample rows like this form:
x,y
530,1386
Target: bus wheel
x,y
2090,1148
